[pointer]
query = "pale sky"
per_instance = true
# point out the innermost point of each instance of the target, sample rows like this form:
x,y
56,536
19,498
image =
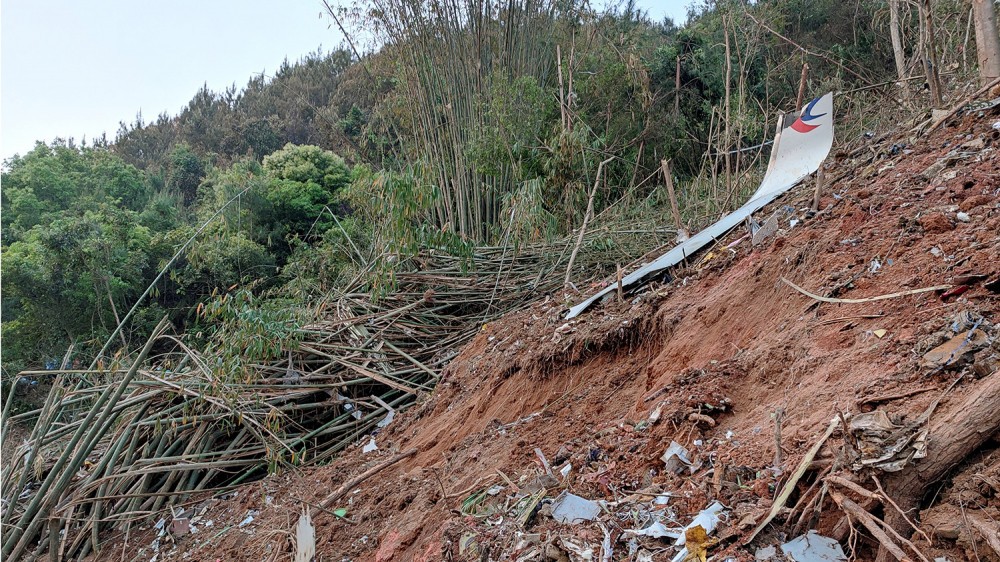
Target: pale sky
x,y
77,69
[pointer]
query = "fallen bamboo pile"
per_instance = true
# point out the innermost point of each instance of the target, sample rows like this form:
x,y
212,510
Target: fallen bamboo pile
x,y
111,448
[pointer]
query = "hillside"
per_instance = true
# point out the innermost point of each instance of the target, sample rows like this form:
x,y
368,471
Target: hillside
x,y
708,360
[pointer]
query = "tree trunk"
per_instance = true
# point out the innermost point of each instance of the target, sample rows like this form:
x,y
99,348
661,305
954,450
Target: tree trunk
x,y
897,48
930,53
987,39
954,434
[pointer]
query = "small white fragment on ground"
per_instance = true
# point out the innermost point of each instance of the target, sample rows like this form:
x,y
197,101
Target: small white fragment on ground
x,y
707,519
583,551
813,547
657,531
249,518
676,459
564,471
387,419
935,251
370,446
766,554
654,416
391,415
570,508
963,217
305,539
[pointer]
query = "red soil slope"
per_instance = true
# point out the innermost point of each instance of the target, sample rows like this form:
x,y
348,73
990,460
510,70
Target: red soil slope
x,y
726,340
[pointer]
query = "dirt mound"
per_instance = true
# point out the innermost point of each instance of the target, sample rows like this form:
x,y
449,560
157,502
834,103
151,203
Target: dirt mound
x,y
710,360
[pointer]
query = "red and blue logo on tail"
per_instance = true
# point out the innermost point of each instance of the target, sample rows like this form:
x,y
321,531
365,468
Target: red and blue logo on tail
x,y
801,124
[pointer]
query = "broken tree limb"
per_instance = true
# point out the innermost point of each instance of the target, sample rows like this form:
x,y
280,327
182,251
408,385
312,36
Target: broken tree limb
x,y
856,512
586,219
351,484
856,488
896,396
793,481
951,113
867,299
953,435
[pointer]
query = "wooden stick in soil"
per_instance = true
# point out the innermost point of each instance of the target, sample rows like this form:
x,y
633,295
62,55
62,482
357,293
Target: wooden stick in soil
x,y
351,484
867,299
793,481
820,177
802,87
674,209
779,416
586,218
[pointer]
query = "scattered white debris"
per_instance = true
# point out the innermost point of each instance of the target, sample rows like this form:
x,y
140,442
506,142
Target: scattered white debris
x,y
249,518
570,508
963,217
813,547
708,519
370,446
676,458
766,554
305,539
657,531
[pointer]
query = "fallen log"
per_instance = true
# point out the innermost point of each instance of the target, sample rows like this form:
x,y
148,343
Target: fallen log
x,y
954,434
988,529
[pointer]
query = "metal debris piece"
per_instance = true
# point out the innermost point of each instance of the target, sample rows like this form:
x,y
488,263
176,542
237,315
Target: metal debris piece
x,y
708,519
884,445
570,508
766,230
468,545
582,551
766,554
676,459
249,518
657,531
796,156
957,351
813,547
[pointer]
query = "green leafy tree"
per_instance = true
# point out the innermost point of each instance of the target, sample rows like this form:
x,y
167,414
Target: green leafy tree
x,y
70,279
185,172
53,178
